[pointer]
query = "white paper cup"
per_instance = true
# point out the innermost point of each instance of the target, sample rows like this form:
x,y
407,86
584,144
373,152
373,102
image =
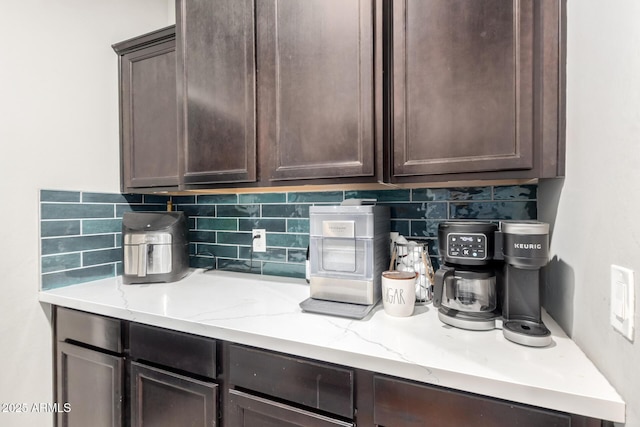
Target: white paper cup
x,y
399,292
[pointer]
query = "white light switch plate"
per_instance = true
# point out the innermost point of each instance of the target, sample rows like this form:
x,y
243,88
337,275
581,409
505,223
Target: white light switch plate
x,y
622,300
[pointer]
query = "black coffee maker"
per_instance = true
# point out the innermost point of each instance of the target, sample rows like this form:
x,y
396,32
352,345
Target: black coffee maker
x,y
490,276
465,289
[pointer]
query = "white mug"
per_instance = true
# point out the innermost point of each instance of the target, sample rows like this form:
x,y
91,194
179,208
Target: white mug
x,y
398,292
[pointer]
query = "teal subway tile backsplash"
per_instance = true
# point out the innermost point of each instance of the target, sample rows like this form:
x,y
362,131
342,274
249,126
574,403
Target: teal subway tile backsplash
x,y
98,226
80,234
81,241
517,210
60,228
217,224
287,211
449,194
103,256
274,224
74,210
297,225
218,199
515,192
56,245
121,209
78,275
112,198
316,197
59,196
261,198
61,262
238,211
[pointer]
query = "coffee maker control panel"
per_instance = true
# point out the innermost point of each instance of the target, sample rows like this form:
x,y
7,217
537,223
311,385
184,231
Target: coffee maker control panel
x,y
467,245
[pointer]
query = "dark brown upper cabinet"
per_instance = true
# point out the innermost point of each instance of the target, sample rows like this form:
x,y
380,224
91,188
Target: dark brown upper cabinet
x,y
258,93
149,146
317,88
475,88
217,90
277,91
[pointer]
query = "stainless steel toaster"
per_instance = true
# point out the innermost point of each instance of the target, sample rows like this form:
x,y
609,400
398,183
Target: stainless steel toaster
x,y
155,247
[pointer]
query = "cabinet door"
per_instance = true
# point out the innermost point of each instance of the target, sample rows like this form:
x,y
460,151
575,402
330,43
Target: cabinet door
x,y
247,410
149,136
320,386
217,90
92,384
462,86
400,403
164,399
315,88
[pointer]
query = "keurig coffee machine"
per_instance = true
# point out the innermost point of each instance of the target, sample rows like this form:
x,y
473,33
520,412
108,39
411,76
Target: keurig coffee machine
x,y
525,249
489,274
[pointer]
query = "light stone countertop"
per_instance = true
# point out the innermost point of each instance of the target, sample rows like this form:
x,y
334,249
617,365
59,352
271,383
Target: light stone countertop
x,y
263,311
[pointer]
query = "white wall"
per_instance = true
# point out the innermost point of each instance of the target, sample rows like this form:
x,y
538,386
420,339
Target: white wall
x,y
58,130
596,207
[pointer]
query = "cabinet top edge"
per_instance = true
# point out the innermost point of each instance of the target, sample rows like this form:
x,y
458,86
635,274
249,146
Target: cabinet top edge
x,y
139,42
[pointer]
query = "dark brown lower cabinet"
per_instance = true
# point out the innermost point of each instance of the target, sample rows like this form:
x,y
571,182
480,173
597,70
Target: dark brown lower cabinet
x,y
248,410
90,384
164,399
310,384
266,388
180,379
404,404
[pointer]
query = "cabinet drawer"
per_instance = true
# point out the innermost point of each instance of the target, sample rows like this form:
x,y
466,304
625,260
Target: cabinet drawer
x,y
92,329
407,404
320,386
177,350
249,410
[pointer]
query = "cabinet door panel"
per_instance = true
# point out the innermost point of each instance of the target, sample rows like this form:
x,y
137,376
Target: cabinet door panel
x,y
252,411
164,399
92,384
149,117
462,86
316,88
400,403
177,350
96,331
217,90
315,385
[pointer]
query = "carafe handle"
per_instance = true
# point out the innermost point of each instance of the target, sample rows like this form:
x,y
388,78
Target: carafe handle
x,y
443,274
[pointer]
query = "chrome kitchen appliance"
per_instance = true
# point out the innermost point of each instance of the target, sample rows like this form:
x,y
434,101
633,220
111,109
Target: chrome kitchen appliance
x,y
155,247
465,288
348,251
490,278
